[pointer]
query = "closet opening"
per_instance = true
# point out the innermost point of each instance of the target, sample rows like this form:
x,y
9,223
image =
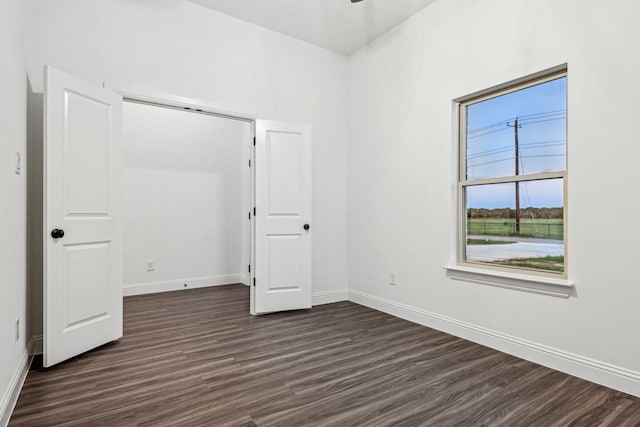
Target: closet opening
x,y
187,198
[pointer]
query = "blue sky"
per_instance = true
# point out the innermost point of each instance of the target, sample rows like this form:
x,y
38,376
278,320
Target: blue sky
x,y
541,112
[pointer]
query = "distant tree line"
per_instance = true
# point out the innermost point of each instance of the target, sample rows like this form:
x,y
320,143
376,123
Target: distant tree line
x,y
525,213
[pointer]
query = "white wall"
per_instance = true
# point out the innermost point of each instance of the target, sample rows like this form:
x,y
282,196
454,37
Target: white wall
x,y
400,167
178,48
183,199
399,158
13,214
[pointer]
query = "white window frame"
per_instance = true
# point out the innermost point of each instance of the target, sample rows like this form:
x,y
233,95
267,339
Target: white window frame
x,y
538,281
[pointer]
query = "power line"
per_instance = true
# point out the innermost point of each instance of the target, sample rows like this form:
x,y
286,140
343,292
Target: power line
x,y
505,150
524,117
531,121
491,162
512,158
527,117
527,145
549,142
544,155
546,120
486,133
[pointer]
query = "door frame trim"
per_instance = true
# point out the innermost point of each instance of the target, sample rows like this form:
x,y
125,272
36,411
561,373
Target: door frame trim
x,y
233,112
161,98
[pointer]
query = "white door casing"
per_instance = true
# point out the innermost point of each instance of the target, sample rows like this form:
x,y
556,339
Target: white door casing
x,y
82,190
283,210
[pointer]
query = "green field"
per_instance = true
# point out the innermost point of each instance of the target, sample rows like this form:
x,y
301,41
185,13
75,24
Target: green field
x,y
540,228
488,242
548,263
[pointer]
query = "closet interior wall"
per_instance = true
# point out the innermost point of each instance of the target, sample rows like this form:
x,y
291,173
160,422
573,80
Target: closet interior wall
x,y
186,198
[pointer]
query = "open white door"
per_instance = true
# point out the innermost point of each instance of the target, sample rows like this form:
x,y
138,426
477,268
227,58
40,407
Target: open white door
x,y
283,217
83,234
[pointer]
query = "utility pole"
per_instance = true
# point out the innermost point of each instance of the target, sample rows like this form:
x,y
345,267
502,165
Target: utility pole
x,y
516,126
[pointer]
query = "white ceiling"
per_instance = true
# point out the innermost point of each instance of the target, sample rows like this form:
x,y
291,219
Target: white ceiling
x,y
338,25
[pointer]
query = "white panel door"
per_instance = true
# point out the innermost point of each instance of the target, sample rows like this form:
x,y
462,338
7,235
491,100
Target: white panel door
x,y
283,217
83,235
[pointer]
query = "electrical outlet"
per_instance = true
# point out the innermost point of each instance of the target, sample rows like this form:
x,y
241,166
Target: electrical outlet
x,y
392,278
151,265
17,329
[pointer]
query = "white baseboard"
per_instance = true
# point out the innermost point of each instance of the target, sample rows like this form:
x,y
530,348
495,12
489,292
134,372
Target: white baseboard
x,y
36,345
176,285
10,397
591,370
246,279
328,297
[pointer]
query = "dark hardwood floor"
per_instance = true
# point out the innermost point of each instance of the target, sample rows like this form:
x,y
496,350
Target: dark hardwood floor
x,y
197,358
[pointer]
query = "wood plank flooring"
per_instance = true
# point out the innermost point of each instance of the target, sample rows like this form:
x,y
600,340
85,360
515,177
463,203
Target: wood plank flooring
x,y
197,358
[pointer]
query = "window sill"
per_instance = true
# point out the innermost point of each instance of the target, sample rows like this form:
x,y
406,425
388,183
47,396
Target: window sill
x,y
536,284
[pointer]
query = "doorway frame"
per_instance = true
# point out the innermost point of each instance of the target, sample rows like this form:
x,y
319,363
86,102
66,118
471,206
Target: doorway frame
x,y
232,112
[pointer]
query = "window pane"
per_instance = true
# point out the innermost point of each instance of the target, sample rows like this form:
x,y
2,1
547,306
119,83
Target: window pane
x,y
533,119
495,236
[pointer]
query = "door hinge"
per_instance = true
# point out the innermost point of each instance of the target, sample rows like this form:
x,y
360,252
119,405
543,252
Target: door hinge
x,y
254,281
249,268
254,211
249,162
254,140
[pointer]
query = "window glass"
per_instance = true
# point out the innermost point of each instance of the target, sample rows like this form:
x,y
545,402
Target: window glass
x,y
534,117
513,172
492,234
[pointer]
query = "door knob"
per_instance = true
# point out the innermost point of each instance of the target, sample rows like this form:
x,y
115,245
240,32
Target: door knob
x,y
306,226
57,233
